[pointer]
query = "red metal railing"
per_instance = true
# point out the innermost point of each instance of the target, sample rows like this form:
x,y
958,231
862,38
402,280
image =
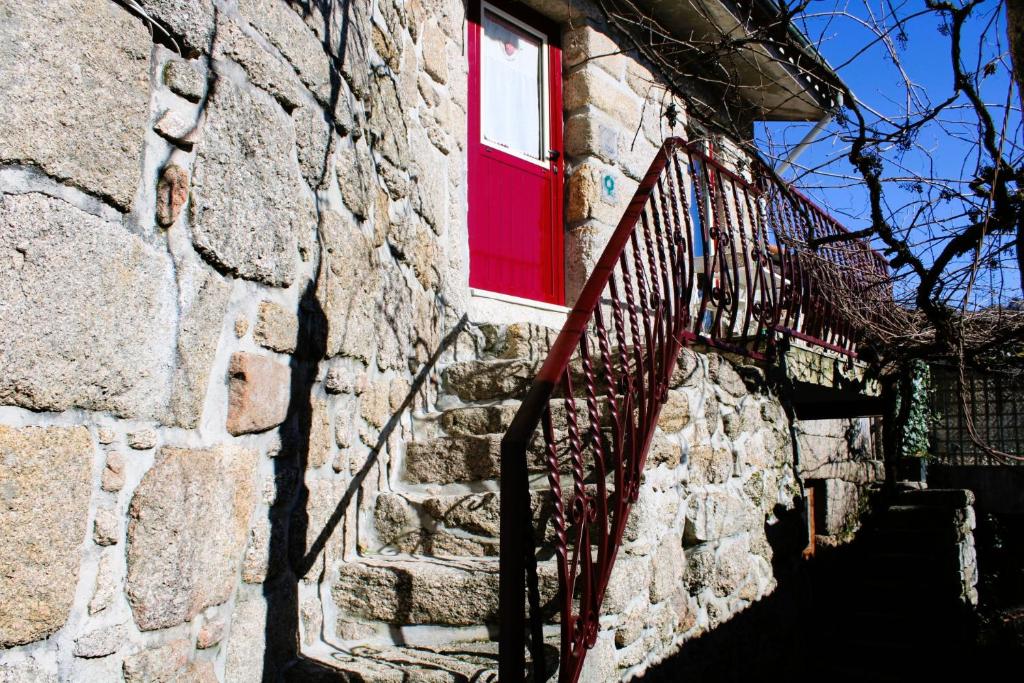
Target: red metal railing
x,y
701,254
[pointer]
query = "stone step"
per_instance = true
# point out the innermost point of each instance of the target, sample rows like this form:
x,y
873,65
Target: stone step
x,y
913,659
880,663
907,565
517,340
495,419
450,459
855,670
919,517
876,660
913,592
864,616
936,593
947,498
414,590
923,541
457,662
468,458
891,621
497,380
479,420
527,341
459,525
439,526
490,380
885,650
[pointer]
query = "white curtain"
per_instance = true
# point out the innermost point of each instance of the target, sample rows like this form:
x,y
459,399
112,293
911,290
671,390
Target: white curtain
x,y
512,84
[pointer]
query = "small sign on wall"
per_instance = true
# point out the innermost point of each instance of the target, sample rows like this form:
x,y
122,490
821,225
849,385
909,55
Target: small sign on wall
x,y
609,192
608,139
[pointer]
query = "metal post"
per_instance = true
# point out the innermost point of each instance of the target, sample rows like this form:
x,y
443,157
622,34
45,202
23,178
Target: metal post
x,y
512,564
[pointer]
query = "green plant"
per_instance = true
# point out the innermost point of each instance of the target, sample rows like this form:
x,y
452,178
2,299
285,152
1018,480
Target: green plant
x,y
914,433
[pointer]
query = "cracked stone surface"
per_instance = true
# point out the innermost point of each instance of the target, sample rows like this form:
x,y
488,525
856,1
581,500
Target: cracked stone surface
x,y
75,103
186,532
249,206
114,295
45,474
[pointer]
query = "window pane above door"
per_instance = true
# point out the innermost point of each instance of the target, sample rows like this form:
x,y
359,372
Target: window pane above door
x,y
513,101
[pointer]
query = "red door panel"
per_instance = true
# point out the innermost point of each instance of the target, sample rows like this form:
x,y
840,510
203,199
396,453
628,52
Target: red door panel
x,y
515,157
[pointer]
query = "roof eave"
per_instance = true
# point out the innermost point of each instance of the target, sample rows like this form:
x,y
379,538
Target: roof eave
x,y
774,83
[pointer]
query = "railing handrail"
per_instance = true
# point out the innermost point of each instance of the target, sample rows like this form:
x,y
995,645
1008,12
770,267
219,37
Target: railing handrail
x,y
883,263
514,510
590,297
781,299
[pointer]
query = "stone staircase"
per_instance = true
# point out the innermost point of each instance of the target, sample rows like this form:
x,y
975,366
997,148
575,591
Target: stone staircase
x,y
421,602
900,607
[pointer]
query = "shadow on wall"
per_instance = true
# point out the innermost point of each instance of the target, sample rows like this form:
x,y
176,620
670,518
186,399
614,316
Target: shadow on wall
x,y
294,547
290,521
289,518
835,618
766,637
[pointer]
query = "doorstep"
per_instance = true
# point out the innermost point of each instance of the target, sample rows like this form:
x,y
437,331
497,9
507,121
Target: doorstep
x,y
505,309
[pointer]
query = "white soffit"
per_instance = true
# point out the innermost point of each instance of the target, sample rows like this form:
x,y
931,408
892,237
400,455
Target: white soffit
x,y
762,77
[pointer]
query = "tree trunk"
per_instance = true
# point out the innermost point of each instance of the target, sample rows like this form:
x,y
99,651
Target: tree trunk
x,y
1015,33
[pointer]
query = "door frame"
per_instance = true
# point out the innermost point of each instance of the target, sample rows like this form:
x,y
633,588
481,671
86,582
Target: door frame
x,y
553,134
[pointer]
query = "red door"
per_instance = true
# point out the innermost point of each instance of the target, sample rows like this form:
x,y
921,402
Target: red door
x,y
515,154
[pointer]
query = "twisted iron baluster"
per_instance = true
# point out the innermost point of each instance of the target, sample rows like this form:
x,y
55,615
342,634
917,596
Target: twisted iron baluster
x,y
688,240
747,252
659,218
697,173
764,267
796,316
680,241
634,377
648,342
581,560
654,397
718,238
599,511
558,520
615,451
772,293
731,274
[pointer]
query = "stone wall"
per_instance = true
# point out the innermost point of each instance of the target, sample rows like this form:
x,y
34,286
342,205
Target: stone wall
x,y
719,476
232,235
614,124
836,457
233,248
720,498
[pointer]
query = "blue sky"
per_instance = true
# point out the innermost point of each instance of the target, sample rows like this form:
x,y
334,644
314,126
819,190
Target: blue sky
x,y
940,151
